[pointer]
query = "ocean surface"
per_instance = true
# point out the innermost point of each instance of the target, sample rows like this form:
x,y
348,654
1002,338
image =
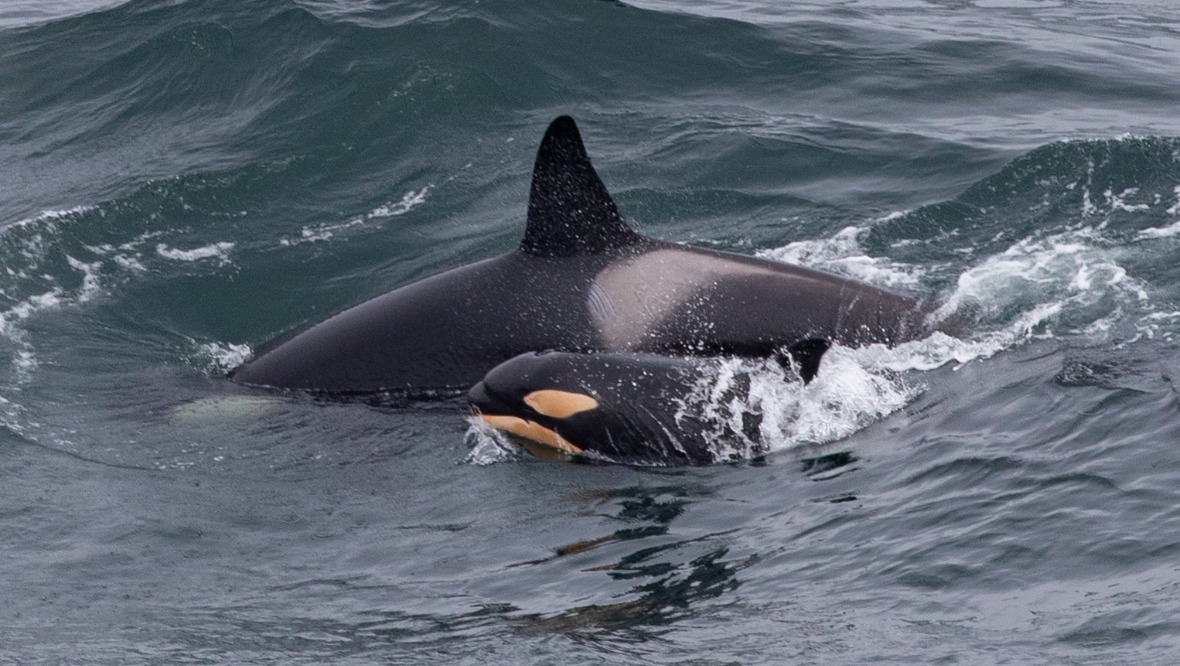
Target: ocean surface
x,y
183,180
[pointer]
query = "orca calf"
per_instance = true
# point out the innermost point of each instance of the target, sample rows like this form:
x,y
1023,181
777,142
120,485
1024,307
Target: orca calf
x,y
582,281
629,408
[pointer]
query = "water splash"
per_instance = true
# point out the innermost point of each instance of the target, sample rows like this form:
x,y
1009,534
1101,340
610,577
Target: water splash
x,y
842,254
219,357
487,445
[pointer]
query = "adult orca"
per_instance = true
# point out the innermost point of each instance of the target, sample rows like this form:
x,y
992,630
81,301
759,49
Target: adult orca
x,y
629,408
581,280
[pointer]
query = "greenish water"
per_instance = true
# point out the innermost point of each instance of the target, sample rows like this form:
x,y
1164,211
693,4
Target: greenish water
x,y
183,181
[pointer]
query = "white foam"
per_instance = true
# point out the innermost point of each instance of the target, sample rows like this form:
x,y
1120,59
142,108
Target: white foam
x,y
138,241
411,200
26,308
843,254
1088,207
1162,316
323,232
219,251
1157,324
90,287
48,215
129,263
847,396
28,235
1069,270
1169,231
1117,201
223,357
24,360
24,364
488,445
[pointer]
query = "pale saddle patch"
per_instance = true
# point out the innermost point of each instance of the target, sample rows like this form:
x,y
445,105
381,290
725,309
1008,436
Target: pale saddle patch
x,y
630,299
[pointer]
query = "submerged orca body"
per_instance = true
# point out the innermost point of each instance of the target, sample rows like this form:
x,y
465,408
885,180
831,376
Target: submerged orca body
x,y
582,280
630,408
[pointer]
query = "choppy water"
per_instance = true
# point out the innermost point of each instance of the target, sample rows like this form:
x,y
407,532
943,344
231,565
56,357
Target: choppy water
x,y
183,180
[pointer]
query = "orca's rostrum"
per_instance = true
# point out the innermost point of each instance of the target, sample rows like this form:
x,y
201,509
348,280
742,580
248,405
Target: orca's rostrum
x,y
582,280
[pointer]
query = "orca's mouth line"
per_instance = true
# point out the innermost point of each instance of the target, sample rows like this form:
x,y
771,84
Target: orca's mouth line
x,y
531,431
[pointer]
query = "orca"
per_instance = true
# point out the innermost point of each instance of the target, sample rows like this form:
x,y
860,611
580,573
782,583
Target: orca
x,y
582,280
629,408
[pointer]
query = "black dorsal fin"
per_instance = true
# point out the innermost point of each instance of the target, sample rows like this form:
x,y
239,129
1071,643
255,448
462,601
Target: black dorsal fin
x,y
570,211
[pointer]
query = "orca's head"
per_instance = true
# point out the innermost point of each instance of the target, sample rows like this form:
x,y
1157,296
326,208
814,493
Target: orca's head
x,y
537,397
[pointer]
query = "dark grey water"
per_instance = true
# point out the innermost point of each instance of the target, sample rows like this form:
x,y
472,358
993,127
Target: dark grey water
x,y
182,181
